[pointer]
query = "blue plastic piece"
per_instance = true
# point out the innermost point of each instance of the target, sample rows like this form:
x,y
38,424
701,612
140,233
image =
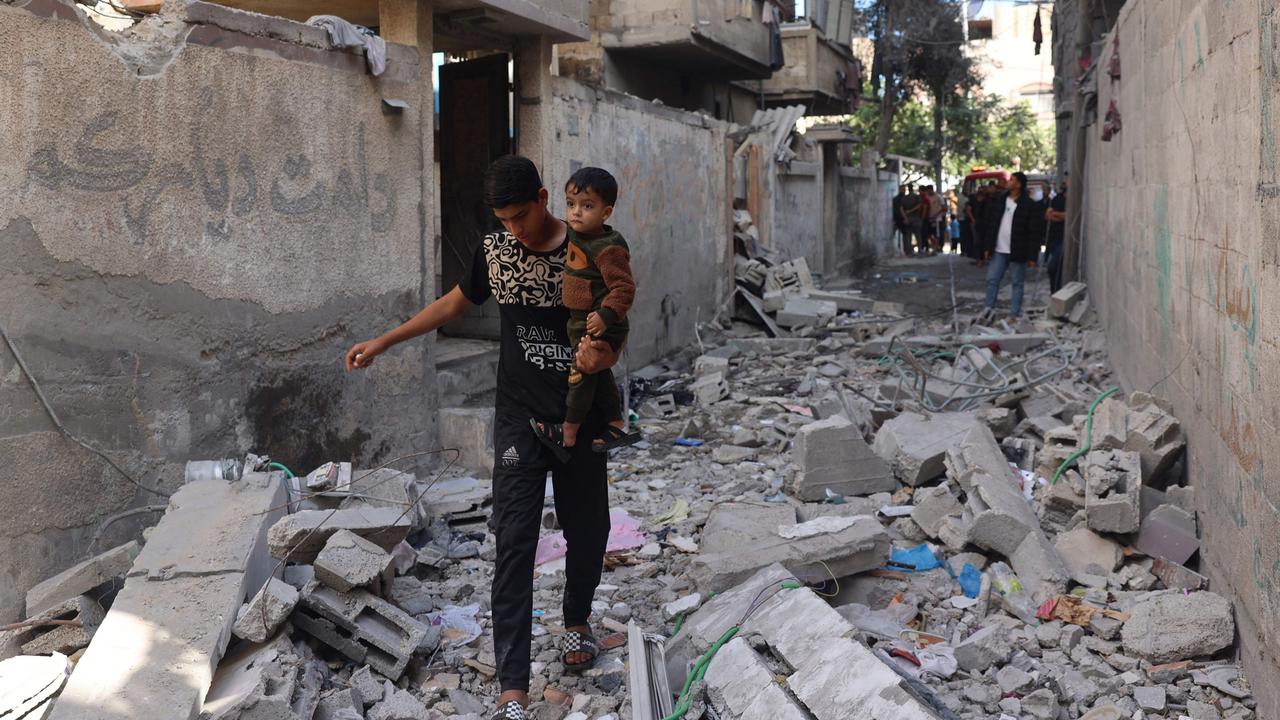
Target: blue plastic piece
x,y
916,559
970,580
689,442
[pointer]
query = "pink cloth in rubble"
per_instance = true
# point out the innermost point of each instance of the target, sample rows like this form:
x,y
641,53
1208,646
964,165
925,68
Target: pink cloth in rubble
x,y
624,534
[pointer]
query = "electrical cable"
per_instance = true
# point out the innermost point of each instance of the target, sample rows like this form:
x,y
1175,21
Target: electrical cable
x,y
1088,436
53,416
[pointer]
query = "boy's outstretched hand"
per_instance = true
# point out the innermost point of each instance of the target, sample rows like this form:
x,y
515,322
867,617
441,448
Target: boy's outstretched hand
x,y
361,354
595,324
594,356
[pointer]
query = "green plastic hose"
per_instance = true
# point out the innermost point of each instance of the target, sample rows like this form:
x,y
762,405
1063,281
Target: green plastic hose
x,y
279,466
1088,436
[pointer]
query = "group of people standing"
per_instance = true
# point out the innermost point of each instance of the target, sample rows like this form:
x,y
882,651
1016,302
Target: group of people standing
x,y
998,225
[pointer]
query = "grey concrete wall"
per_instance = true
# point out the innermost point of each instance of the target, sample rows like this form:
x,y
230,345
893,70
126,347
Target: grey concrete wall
x,y
194,224
866,216
673,204
797,213
1182,215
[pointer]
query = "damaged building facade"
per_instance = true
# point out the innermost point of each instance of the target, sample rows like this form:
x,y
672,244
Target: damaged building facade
x,y
201,209
1179,252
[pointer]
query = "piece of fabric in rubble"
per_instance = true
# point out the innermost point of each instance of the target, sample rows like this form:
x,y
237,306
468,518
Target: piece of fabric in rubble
x,y
343,34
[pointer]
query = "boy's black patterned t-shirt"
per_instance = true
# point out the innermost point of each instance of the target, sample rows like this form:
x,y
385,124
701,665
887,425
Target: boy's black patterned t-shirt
x,y
534,356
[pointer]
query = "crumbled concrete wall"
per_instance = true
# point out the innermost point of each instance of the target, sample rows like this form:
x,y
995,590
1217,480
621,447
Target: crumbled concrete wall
x,y
189,245
797,213
673,204
1183,211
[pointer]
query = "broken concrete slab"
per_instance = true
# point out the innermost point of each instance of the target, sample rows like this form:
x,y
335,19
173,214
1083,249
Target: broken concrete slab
x,y
801,311
1169,532
916,445
984,648
741,686
733,454
831,672
861,546
302,535
831,456
28,684
259,618
999,517
1113,490
733,525
256,680
361,626
42,637
1172,625
1090,557
709,364
1039,567
402,705
1065,300
81,578
348,561
155,653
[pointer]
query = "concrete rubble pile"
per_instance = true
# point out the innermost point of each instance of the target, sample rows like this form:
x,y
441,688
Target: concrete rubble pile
x,y
976,539
860,536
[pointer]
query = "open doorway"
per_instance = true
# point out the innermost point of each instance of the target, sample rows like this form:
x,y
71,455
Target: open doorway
x,y
475,126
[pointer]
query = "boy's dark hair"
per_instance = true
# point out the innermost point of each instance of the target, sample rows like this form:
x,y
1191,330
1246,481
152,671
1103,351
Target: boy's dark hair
x,y
595,179
511,180
1022,179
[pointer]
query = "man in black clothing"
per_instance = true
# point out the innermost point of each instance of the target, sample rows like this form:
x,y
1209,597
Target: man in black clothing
x,y
898,226
912,220
1017,241
521,268
1056,216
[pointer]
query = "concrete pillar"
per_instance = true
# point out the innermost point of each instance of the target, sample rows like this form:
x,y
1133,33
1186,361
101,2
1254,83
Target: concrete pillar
x,y
533,62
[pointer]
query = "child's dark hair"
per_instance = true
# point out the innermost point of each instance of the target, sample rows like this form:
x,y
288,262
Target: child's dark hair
x,y
596,179
510,180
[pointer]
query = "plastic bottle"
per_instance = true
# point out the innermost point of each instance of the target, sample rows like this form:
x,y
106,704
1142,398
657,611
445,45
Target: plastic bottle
x,y
1015,597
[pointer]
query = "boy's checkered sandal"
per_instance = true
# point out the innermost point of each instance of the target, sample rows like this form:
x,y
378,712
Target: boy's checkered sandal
x,y
510,710
578,642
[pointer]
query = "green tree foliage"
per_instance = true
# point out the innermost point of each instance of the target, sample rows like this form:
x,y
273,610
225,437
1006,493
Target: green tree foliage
x,y
977,130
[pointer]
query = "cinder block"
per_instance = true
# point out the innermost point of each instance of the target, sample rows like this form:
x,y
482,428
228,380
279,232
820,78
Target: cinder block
x,y
81,578
365,628
348,561
830,455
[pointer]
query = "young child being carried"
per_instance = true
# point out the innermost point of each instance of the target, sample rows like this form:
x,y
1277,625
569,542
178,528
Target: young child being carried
x,y
598,291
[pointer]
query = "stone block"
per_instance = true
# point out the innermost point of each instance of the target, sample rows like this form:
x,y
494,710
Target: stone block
x,y
365,628
987,646
916,445
751,545
1169,532
1065,300
259,618
402,705
844,301
302,535
348,561
838,674
1113,490
470,429
1090,557
933,505
155,654
44,639
831,455
81,578
1169,626
709,389
340,704
1150,699
800,311
709,364
997,512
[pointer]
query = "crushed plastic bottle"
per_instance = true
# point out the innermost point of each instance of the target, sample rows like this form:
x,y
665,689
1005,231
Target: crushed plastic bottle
x,y
1015,597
